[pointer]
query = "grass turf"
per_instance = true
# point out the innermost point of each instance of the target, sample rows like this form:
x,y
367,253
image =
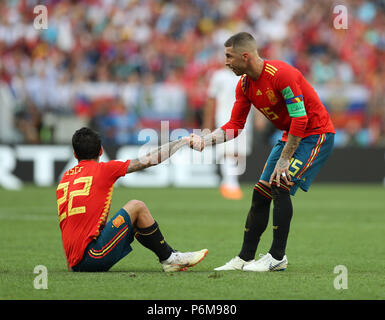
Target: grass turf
x,y
332,225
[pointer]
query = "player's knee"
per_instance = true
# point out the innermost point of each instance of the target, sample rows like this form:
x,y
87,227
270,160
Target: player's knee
x,y
140,215
135,207
264,183
261,196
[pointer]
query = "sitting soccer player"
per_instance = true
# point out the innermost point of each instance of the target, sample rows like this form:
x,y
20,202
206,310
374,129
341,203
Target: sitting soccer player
x,y
84,198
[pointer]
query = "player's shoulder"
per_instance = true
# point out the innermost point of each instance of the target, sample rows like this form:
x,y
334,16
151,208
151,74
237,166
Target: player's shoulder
x,y
110,163
115,166
275,69
274,66
280,65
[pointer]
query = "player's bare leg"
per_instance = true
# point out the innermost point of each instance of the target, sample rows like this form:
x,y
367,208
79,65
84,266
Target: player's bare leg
x,y
139,214
149,235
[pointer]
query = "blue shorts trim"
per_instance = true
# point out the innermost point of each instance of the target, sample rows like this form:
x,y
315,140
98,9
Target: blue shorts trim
x,y
308,159
113,244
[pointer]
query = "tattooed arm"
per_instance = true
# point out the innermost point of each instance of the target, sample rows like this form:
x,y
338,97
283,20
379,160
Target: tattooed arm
x,y
283,163
209,139
157,155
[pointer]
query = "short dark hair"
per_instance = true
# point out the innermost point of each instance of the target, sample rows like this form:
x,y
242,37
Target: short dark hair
x,y
241,40
86,144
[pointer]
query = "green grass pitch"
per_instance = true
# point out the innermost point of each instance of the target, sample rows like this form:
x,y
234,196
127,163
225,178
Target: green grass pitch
x,y
332,225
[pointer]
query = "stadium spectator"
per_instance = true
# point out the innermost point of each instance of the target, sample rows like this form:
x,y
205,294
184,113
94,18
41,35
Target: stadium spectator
x,y
95,48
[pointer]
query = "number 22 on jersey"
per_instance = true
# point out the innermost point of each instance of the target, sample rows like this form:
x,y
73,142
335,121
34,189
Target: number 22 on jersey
x,y
85,191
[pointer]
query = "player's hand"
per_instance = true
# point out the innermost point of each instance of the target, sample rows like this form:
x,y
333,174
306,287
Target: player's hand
x,y
196,142
281,170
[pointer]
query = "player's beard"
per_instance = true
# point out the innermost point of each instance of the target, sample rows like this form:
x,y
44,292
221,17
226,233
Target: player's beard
x,y
237,71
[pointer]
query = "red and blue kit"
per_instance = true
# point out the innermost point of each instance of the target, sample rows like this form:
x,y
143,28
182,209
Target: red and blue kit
x,y
83,200
286,99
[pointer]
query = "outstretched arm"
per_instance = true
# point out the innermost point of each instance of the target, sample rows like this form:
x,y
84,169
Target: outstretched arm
x,y
200,142
157,155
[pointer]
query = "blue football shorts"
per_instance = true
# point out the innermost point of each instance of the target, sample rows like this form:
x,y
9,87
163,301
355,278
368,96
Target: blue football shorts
x,y
112,244
310,156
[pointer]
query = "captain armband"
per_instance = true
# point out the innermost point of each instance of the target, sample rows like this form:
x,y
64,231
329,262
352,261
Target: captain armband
x,y
294,104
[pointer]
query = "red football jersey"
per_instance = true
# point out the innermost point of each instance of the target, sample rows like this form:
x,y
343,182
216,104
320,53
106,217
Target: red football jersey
x,y
83,200
285,98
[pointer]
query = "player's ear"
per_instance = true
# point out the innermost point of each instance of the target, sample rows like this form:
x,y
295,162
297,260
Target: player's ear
x,y
75,155
101,151
245,56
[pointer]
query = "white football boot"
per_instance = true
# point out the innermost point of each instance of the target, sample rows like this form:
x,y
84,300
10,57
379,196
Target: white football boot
x,y
180,261
267,263
234,264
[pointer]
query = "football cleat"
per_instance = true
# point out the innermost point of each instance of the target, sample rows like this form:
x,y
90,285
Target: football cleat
x,y
267,263
234,264
180,261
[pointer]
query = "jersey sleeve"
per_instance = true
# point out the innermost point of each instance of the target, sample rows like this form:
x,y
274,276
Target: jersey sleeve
x,y
286,83
115,169
239,112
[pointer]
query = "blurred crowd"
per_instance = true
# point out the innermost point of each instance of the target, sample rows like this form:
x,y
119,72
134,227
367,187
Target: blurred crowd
x,y
124,65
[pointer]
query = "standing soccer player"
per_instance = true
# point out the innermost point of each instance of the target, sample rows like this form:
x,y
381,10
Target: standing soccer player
x,y
283,95
84,197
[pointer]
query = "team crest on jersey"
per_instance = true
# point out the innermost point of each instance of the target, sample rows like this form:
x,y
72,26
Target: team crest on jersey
x,y
118,221
271,95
